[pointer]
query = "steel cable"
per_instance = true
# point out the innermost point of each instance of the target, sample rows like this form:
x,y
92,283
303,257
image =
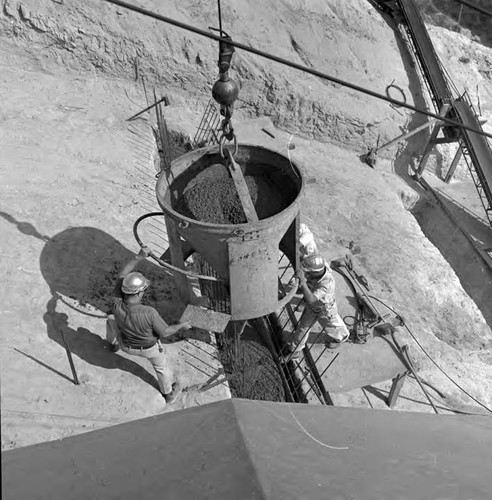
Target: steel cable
x,y
445,406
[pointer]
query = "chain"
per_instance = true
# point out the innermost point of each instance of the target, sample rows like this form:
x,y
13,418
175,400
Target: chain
x,y
225,90
227,130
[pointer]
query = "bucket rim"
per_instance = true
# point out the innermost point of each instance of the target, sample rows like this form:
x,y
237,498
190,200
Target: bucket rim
x,y
242,228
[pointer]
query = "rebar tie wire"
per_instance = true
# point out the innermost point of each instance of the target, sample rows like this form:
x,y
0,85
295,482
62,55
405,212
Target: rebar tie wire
x,y
293,65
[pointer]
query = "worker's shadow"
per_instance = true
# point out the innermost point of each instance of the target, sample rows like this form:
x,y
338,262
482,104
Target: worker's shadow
x,y
81,266
87,345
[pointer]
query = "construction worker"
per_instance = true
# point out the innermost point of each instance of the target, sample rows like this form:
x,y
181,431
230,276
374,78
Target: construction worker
x,y
318,288
137,328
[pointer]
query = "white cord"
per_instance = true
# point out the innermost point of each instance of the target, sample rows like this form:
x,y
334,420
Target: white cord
x,y
288,154
313,438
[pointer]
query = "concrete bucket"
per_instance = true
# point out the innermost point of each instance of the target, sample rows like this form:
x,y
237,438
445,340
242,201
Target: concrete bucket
x,y
204,211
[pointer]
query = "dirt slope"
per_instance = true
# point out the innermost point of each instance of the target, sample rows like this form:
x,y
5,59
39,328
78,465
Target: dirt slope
x,y
348,40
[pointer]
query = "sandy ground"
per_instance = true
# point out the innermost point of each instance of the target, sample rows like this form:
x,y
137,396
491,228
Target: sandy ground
x,y
349,40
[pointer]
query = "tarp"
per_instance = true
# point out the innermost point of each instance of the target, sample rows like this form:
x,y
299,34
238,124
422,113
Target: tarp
x,y
240,449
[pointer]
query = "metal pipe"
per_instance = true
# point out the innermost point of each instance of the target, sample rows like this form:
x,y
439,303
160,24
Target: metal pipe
x,y
220,17
406,358
404,350
70,358
406,135
454,163
164,99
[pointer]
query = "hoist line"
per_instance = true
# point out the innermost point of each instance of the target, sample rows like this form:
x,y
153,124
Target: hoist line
x,y
220,17
294,65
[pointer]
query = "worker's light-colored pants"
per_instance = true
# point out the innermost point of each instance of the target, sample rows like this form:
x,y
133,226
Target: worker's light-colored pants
x,y
156,358
329,319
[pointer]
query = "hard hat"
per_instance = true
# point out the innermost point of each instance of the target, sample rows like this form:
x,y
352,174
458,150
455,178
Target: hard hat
x,y
134,283
313,263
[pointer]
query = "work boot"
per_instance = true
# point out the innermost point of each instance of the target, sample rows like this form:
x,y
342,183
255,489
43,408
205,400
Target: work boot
x,y
114,347
332,343
172,396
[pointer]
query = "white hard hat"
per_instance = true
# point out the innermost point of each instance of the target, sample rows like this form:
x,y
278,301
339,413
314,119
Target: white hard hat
x,y
313,263
134,283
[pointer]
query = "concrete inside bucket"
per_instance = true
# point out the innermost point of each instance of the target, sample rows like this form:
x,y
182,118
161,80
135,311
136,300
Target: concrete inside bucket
x,y
206,192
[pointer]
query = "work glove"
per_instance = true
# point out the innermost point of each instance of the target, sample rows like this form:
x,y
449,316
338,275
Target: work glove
x,y
144,253
299,274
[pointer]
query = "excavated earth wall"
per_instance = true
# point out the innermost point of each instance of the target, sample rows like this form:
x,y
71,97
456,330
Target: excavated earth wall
x,y
348,40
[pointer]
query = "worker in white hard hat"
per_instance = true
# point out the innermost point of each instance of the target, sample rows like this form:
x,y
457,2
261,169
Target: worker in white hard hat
x,y
138,328
318,288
